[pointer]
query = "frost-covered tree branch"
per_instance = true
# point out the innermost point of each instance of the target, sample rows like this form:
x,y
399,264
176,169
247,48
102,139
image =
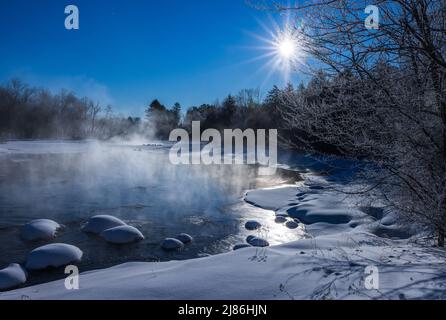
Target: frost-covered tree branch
x,y
380,98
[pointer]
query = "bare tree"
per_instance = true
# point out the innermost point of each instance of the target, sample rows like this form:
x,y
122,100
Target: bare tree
x,y
94,109
248,98
384,99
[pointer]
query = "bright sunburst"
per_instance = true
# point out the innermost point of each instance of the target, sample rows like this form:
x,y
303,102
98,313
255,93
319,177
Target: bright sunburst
x,y
283,49
286,48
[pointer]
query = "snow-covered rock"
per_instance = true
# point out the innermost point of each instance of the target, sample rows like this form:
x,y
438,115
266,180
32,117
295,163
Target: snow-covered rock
x,y
252,225
280,219
172,244
100,223
292,224
389,219
12,276
41,229
184,238
258,242
53,255
122,235
241,246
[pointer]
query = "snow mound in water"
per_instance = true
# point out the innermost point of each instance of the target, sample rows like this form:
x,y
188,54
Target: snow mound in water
x,y
252,225
292,224
172,244
53,255
12,276
122,235
280,219
100,223
41,229
184,238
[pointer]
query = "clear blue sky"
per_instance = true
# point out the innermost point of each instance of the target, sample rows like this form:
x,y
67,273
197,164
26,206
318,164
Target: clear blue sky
x,y
129,52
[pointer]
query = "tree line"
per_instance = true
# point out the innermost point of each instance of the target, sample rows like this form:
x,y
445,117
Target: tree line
x,y
35,113
243,110
28,112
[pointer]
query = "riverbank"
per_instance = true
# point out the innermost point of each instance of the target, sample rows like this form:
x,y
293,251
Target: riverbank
x,y
335,262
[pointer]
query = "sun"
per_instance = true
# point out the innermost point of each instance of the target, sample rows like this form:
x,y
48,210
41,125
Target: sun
x,y
283,48
286,48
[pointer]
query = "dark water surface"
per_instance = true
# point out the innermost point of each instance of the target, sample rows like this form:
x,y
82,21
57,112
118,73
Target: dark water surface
x,y
72,181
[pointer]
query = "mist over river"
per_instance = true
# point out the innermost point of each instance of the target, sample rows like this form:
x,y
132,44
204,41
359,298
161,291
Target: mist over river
x,y
72,181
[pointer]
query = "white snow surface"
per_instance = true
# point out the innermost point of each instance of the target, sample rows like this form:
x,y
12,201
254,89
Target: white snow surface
x,y
272,198
122,235
53,255
40,229
12,276
322,268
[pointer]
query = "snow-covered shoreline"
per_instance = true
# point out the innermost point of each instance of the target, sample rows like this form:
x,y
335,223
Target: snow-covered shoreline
x,y
322,268
331,264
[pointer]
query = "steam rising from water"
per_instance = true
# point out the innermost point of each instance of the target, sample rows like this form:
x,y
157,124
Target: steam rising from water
x,y
71,181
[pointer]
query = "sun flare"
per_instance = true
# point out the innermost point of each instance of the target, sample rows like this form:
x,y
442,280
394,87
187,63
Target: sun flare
x,y
288,49
284,48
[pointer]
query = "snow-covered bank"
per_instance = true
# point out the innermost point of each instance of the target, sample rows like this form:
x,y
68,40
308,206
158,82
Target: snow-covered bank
x,y
321,268
331,264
